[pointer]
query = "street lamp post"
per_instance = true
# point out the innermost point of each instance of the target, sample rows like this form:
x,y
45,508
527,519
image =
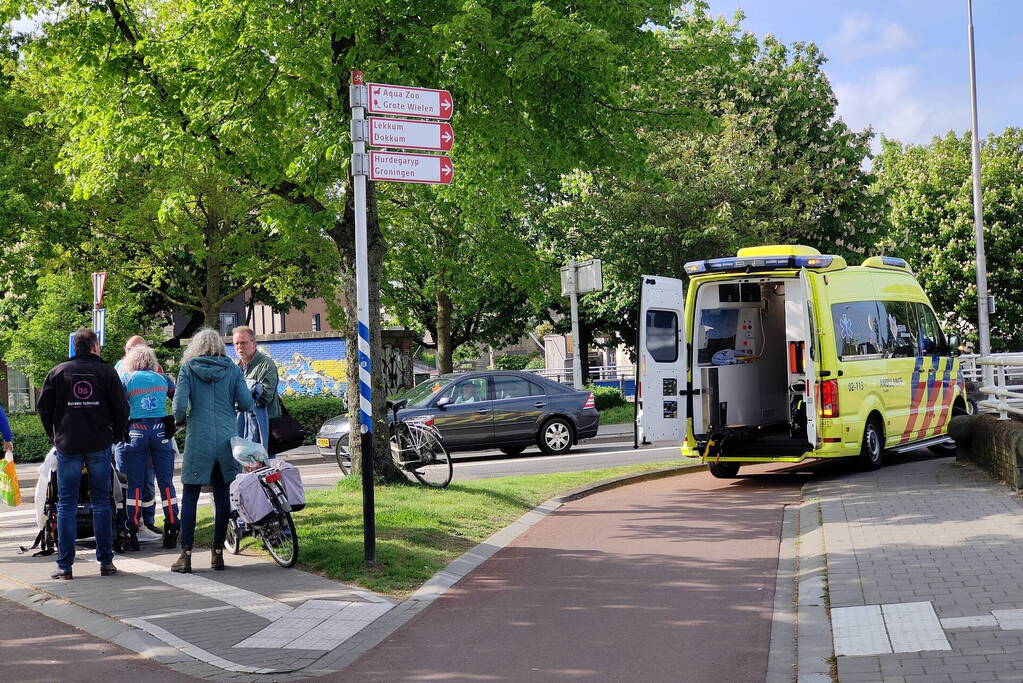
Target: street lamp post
x,y
984,302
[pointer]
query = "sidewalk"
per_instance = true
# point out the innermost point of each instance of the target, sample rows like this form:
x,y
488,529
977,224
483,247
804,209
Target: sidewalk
x,y
922,563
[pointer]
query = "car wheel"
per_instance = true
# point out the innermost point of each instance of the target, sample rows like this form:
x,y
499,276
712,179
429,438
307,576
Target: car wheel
x,y
555,436
872,450
344,459
512,450
723,470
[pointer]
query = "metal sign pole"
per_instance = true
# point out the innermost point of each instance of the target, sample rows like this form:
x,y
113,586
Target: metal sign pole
x,y
983,302
358,99
577,367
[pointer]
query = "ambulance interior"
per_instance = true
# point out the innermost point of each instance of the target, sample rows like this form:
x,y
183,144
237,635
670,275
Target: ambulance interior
x,y
748,359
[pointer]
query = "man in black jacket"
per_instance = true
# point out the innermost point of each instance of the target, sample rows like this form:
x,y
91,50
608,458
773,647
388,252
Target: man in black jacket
x,y
84,412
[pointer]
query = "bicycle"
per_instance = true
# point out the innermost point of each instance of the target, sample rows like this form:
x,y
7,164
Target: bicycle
x,y
416,448
276,530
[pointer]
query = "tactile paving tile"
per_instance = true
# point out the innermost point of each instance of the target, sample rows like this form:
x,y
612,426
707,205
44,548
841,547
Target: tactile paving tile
x,y
859,631
914,627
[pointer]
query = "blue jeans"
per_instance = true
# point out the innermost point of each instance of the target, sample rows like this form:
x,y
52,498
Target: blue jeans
x,y
148,492
149,450
69,478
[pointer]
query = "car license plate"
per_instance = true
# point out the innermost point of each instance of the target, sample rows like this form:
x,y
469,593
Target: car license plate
x,y
323,443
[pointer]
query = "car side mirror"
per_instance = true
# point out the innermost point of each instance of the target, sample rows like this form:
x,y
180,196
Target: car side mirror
x,y
443,402
953,344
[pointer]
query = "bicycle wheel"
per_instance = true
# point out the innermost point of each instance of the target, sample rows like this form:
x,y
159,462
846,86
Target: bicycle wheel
x,y
233,539
434,468
278,533
344,458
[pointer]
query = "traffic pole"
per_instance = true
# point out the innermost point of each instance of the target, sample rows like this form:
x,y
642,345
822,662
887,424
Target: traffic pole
x,y
577,366
358,100
983,301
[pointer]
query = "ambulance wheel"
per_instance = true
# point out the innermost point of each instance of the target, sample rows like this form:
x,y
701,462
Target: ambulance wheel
x,y
723,470
948,450
872,450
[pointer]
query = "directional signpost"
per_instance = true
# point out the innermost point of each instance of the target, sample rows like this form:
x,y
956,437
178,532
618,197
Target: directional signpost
x,y
402,100
388,166
410,134
410,168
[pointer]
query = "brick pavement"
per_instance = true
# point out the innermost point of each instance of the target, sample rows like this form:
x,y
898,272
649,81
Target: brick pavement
x,y
928,531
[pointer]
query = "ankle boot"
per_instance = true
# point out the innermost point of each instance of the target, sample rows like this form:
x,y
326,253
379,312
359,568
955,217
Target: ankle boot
x,y
183,565
170,536
217,559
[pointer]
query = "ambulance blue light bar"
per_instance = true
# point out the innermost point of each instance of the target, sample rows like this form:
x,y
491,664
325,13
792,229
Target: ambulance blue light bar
x,y
761,263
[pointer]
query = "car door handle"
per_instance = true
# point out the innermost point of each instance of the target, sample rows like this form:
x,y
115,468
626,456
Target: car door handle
x,y
539,404
483,411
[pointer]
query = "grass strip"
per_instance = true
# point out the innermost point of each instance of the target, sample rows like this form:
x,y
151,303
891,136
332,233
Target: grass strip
x,y
618,415
419,530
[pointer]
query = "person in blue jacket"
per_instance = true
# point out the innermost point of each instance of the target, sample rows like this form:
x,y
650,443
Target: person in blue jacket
x,y
210,392
148,444
5,431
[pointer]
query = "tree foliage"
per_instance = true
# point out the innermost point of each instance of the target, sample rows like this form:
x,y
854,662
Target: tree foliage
x,y
928,191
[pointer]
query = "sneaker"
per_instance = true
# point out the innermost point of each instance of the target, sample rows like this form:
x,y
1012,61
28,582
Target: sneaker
x,y
62,575
146,535
155,529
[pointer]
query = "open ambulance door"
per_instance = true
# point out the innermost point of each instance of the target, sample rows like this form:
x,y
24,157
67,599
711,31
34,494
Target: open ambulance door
x,y
810,358
661,391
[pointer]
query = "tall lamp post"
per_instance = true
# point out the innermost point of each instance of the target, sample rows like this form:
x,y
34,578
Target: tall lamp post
x,y
985,303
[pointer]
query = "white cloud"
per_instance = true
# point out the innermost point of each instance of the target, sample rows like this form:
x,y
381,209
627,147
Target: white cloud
x,y
860,35
887,101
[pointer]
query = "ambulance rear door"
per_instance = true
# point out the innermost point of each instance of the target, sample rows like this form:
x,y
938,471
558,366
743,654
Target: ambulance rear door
x,y
661,390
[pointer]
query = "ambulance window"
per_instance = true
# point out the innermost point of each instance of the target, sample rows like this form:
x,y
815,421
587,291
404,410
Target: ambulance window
x,y
857,329
717,332
932,341
662,335
899,329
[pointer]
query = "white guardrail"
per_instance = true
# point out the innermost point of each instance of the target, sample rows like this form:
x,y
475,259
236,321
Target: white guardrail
x,y
1003,384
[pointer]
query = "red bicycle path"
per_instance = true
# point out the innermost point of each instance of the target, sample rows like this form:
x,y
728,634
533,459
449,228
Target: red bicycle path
x,y
665,580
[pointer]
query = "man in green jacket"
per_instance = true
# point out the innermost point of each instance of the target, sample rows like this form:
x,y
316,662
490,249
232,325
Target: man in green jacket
x,y
257,366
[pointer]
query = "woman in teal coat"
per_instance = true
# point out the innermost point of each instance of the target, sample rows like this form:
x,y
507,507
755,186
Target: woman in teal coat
x,y
211,389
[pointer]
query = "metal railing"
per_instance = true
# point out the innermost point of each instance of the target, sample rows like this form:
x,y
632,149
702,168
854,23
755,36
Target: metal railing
x,y
621,376
1005,392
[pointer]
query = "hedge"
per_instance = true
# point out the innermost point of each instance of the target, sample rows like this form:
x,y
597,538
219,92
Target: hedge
x,y
606,397
30,442
313,411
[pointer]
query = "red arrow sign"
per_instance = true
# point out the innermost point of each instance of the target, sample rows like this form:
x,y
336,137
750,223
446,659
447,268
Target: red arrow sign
x,y
410,134
406,101
410,168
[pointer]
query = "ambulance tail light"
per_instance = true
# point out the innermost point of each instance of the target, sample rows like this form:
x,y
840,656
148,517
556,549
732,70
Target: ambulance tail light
x,y
829,398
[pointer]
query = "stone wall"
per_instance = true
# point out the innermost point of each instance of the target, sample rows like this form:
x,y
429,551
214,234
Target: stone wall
x,y
992,444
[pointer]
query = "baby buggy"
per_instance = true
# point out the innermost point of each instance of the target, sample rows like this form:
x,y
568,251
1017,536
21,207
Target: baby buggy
x,y
46,510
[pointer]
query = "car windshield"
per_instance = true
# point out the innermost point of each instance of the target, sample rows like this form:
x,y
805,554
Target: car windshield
x,y
421,393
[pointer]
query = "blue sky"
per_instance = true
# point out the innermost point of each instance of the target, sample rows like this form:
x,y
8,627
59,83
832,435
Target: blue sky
x,y
901,66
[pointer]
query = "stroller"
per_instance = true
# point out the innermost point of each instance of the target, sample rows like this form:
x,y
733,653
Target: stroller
x,y
46,510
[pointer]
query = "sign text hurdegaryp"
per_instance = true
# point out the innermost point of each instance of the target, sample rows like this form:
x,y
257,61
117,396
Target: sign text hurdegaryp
x,y
402,100
410,168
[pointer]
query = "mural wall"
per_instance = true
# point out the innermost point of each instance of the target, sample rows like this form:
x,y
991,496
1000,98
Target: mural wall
x,y
317,365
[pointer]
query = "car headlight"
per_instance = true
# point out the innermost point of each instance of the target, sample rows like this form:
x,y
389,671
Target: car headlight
x,y
333,428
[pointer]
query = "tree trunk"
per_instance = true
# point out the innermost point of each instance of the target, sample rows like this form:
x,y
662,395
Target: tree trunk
x,y
443,340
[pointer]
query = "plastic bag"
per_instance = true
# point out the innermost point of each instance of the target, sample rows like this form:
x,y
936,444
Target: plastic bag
x,y
247,452
9,491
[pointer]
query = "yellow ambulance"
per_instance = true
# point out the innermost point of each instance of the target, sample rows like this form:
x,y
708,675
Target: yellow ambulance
x,y
781,354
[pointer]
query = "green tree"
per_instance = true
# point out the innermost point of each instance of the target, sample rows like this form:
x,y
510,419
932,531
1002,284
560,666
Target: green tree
x,y
928,191
259,89
774,165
